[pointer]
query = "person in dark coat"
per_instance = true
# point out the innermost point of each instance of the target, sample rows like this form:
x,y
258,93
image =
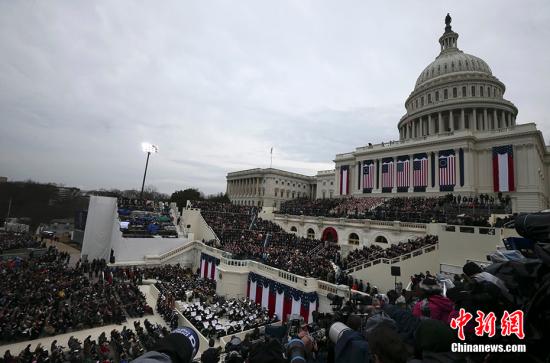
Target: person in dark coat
x,y
211,355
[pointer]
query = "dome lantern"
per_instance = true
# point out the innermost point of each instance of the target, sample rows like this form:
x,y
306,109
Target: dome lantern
x,y
448,40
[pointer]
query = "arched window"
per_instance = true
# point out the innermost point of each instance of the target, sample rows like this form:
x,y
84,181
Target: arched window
x,y
381,239
293,229
310,233
353,239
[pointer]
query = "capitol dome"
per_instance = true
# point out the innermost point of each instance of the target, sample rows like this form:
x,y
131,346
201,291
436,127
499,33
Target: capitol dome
x,y
453,61
457,91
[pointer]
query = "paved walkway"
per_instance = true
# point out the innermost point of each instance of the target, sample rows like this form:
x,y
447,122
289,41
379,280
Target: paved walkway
x,y
63,247
62,339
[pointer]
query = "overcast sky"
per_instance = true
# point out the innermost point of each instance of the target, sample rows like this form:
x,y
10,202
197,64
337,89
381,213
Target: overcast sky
x,y
216,84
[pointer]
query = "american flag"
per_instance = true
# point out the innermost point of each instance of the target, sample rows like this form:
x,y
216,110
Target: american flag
x,y
403,173
368,176
387,174
447,170
420,172
503,168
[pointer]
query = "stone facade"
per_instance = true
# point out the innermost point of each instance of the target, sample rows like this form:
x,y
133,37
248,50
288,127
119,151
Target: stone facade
x,y
325,184
268,187
456,108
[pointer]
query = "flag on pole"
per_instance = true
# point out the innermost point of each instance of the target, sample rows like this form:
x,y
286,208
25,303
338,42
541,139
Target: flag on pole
x,y
503,169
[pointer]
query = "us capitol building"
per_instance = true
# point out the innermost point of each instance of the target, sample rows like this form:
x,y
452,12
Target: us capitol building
x,y
459,134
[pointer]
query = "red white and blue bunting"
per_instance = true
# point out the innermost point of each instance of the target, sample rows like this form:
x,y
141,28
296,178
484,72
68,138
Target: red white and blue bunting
x,y
280,299
209,266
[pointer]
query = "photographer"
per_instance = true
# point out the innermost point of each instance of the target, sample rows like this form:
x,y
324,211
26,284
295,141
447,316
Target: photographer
x,y
432,304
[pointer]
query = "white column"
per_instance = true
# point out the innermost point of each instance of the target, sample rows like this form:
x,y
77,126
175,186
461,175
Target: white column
x,y
431,128
469,169
485,120
440,122
474,115
451,121
462,121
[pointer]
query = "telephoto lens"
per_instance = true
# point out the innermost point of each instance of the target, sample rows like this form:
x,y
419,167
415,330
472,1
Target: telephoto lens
x,y
336,331
296,351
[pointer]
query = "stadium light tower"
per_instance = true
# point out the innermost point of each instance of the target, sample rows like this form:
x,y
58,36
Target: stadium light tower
x,y
147,148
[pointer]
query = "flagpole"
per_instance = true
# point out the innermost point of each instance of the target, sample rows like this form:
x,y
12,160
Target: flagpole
x,y
271,161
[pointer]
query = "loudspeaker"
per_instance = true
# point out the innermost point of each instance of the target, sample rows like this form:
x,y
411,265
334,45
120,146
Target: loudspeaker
x,y
396,270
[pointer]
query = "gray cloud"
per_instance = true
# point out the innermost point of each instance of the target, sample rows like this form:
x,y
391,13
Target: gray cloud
x,y
217,84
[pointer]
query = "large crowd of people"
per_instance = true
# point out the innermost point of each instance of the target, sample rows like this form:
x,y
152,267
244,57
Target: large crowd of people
x,y
145,218
43,296
349,207
120,347
372,252
226,317
246,236
13,241
212,315
451,208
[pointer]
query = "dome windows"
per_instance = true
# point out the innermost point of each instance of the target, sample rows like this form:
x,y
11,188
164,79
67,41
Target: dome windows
x,y
436,96
481,91
473,91
455,92
463,91
445,94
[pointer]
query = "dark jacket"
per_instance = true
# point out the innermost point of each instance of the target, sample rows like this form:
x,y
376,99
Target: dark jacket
x,y
211,355
351,348
153,357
